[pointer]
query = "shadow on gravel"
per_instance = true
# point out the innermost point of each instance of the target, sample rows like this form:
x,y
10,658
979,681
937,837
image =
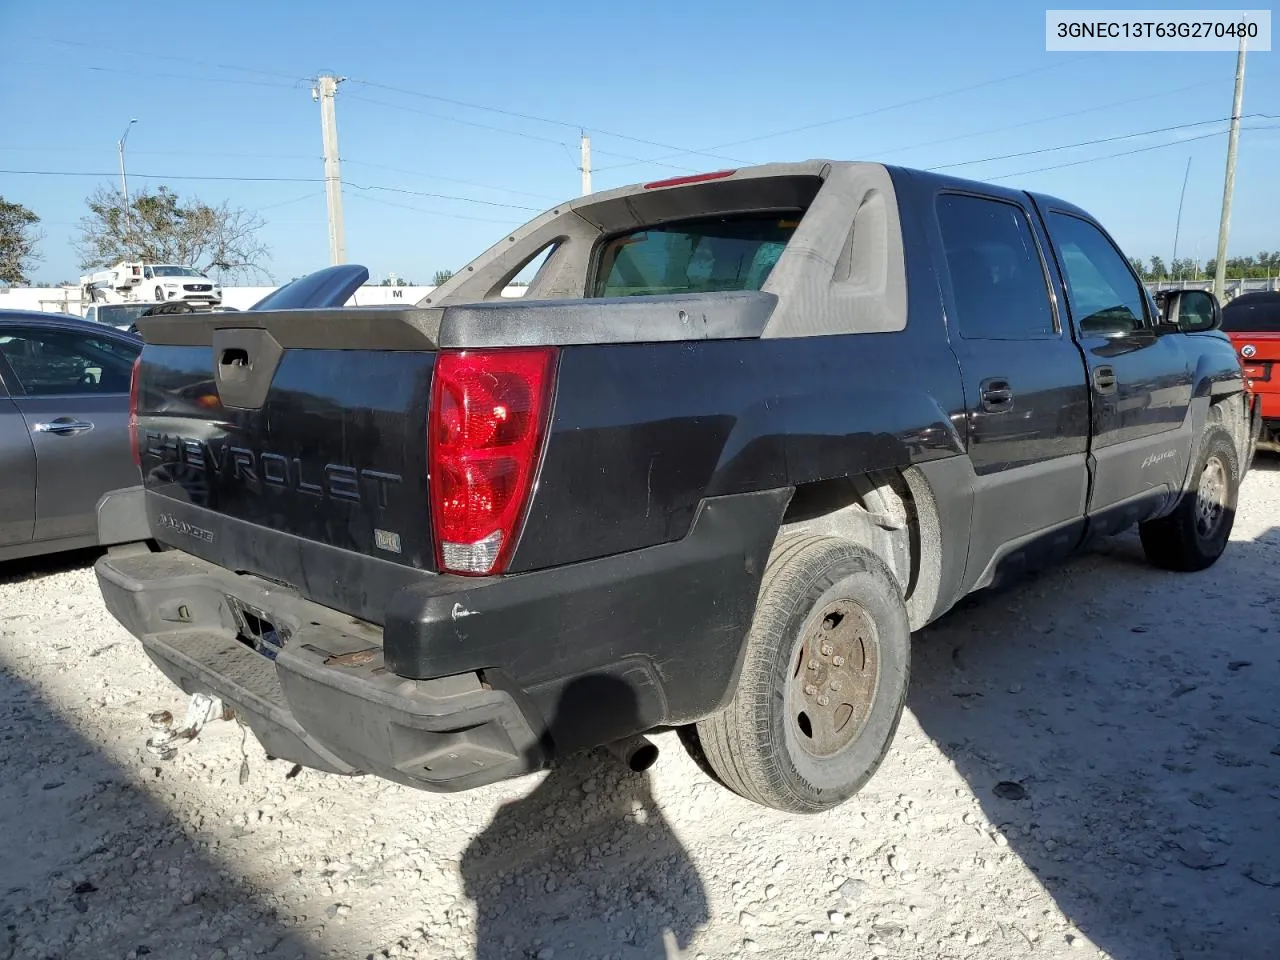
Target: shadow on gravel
x,y
1123,737
554,874
93,867
13,571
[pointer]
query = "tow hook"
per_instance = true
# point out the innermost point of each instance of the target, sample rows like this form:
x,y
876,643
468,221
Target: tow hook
x,y
638,752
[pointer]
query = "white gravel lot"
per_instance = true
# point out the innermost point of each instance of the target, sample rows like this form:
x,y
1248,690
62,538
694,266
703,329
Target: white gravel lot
x,y
1138,711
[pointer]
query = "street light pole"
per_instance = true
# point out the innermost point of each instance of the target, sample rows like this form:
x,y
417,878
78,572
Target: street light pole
x,y
124,184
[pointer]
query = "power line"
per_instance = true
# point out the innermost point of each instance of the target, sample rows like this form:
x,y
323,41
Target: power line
x,y
1124,153
97,68
878,110
1082,143
445,116
486,126
285,203
231,179
219,155
436,213
437,176
536,119
1040,120
151,55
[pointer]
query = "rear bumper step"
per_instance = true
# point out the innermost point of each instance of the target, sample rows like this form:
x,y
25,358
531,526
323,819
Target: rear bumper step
x,y
326,700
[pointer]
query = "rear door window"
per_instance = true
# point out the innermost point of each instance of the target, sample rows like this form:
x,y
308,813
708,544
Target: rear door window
x,y
997,275
710,255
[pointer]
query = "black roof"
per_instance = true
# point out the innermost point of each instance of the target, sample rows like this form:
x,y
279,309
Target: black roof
x,y
62,321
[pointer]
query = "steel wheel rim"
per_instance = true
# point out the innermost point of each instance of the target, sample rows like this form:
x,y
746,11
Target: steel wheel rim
x,y
1211,497
834,678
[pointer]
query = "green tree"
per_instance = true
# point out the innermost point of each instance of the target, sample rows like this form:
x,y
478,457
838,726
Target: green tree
x,y
18,239
1139,267
440,277
160,227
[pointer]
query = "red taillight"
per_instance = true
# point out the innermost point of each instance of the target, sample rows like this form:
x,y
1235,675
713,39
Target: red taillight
x,y
694,178
133,413
488,417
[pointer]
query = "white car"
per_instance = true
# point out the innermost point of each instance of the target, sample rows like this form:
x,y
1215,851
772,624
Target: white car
x,y
118,315
168,281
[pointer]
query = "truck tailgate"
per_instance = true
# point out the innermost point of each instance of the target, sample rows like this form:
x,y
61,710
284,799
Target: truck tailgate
x,y
288,452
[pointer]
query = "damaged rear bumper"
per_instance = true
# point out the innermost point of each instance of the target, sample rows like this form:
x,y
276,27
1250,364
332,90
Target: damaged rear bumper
x,y
312,685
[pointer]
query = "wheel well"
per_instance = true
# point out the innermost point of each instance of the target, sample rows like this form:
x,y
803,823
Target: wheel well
x,y
892,513
1232,414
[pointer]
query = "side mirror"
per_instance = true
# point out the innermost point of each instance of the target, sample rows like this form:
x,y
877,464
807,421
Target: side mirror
x,y
1189,311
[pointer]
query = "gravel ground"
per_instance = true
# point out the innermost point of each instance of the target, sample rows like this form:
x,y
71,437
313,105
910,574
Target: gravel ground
x,y
1089,766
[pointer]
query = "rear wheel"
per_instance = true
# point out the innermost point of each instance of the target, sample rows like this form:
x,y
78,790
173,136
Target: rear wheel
x,y
823,683
1196,533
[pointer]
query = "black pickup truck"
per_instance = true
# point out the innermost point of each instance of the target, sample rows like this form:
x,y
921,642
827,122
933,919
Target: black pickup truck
x,y
743,434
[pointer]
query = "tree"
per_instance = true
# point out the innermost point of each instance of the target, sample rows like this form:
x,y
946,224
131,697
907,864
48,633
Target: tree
x,y
440,277
18,239
396,282
1158,270
161,227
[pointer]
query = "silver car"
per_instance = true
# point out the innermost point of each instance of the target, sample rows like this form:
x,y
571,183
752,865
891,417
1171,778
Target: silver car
x,y
64,429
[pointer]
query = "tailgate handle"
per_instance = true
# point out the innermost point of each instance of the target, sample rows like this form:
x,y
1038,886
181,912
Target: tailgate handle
x,y
234,364
244,364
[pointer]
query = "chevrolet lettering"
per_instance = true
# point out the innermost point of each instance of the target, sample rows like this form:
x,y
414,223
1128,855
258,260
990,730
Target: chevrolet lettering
x,y
260,469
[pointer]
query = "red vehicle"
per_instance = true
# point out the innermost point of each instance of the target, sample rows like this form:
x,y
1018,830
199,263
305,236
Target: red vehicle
x,y
1252,321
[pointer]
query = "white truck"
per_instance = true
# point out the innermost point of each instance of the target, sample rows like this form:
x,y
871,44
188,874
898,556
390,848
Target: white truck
x,y
136,282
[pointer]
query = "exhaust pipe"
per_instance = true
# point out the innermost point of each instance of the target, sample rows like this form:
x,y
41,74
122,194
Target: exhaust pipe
x,y
638,752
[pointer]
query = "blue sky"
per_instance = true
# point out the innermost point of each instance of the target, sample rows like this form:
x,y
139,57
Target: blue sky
x,y
221,91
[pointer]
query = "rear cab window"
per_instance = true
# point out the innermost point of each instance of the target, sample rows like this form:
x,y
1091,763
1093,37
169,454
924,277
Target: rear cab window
x,y
706,255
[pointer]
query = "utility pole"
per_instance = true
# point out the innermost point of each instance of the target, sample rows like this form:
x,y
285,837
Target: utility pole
x,y
1178,226
326,87
1228,187
586,163
124,184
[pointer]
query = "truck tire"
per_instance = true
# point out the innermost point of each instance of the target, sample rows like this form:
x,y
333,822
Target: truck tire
x,y
159,294
823,681
1195,534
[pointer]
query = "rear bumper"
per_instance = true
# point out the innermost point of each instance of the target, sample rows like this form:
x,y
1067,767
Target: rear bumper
x,y
326,700
471,680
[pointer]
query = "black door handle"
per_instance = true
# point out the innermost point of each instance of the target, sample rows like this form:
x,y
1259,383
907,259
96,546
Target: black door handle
x,y
997,395
1104,378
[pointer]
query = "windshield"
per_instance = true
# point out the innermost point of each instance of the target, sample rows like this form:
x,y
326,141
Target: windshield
x,y
165,270
1252,313
120,313
709,255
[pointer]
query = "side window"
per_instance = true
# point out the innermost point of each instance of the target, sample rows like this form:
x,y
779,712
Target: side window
x,y
997,276
1102,292
57,362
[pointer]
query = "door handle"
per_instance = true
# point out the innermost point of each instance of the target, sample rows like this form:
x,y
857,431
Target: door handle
x,y
63,427
1104,378
997,395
